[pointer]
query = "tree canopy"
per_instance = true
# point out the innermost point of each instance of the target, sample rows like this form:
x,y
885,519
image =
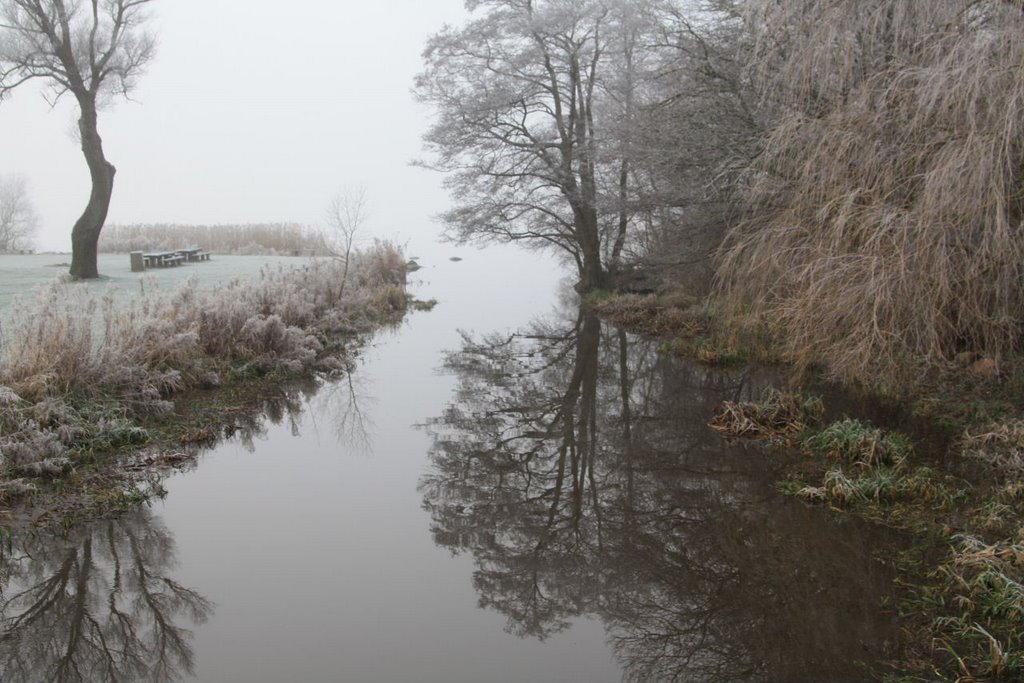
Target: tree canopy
x,y
532,102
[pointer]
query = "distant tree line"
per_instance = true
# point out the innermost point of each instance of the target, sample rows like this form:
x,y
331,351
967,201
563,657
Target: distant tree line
x,y
258,238
848,176
18,218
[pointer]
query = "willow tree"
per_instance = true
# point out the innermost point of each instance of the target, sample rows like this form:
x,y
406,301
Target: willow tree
x,y
886,221
90,50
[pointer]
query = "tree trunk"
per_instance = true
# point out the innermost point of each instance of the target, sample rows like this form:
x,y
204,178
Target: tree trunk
x,y
592,274
620,237
86,233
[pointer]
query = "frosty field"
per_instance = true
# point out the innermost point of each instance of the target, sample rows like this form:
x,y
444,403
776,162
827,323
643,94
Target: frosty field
x,y
21,274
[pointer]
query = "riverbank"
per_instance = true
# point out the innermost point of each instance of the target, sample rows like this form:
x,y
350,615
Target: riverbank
x,y
949,470
99,394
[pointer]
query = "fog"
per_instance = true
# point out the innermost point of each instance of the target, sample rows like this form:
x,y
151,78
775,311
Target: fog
x,y
252,111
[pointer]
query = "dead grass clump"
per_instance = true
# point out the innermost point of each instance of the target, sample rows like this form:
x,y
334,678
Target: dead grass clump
x,y
649,315
779,415
984,585
16,489
1001,446
886,206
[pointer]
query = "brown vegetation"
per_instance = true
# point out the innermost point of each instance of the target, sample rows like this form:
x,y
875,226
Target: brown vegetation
x,y
77,374
885,210
653,315
963,601
778,416
1001,446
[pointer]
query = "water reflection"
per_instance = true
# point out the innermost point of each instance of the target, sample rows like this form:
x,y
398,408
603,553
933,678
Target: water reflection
x,y
102,602
97,605
337,400
575,466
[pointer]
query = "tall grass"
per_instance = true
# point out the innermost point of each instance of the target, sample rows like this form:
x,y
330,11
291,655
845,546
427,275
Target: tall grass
x,y
246,239
67,352
885,209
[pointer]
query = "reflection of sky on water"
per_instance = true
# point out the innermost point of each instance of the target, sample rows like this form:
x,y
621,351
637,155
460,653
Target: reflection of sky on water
x,y
571,476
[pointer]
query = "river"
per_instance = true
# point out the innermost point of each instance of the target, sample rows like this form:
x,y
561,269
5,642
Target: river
x,y
504,489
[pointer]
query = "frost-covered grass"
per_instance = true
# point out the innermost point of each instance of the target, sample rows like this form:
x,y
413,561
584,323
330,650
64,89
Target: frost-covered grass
x,y
79,365
20,274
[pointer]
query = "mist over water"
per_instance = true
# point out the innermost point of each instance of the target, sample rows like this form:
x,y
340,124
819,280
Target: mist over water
x,y
504,489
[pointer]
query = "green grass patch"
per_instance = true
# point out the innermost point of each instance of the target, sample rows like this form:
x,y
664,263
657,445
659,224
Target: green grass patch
x,y
876,490
597,295
961,599
858,443
710,351
978,595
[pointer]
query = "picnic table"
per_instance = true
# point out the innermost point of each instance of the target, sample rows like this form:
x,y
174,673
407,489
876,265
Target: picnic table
x,y
162,259
194,254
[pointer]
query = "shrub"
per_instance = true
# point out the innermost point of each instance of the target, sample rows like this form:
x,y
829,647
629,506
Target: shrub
x,y
66,351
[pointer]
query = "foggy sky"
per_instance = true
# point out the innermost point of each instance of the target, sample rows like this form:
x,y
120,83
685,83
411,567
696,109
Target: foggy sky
x,y
252,111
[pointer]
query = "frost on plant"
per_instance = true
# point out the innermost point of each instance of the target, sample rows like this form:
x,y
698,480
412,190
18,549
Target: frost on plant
x,y
63,351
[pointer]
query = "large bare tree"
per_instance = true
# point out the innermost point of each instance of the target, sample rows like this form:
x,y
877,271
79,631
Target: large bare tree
x,y
17,216
515,94
90,49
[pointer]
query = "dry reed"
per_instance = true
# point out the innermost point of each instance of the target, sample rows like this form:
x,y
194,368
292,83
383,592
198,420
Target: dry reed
x,y
779,415
259,238
885,210
1001,446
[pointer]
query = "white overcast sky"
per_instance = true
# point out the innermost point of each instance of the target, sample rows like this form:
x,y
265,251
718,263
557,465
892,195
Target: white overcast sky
x,y
253,111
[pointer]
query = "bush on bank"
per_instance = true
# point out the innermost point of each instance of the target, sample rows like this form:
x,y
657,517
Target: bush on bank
x,y
78,372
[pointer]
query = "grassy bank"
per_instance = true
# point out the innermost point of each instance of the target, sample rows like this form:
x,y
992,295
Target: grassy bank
x,y
86,379
962,583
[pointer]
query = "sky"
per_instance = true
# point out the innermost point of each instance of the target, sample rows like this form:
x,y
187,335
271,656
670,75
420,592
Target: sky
x,y
252,111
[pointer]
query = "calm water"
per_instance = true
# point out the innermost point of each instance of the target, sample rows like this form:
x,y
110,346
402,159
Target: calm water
x,y
534,498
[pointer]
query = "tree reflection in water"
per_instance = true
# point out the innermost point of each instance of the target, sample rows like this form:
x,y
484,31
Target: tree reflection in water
x,y
101,603
98,605
576,468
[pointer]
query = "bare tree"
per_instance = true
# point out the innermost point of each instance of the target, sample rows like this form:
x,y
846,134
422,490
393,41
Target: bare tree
x,y
345,215
18,220
540,105
515,90
91,50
